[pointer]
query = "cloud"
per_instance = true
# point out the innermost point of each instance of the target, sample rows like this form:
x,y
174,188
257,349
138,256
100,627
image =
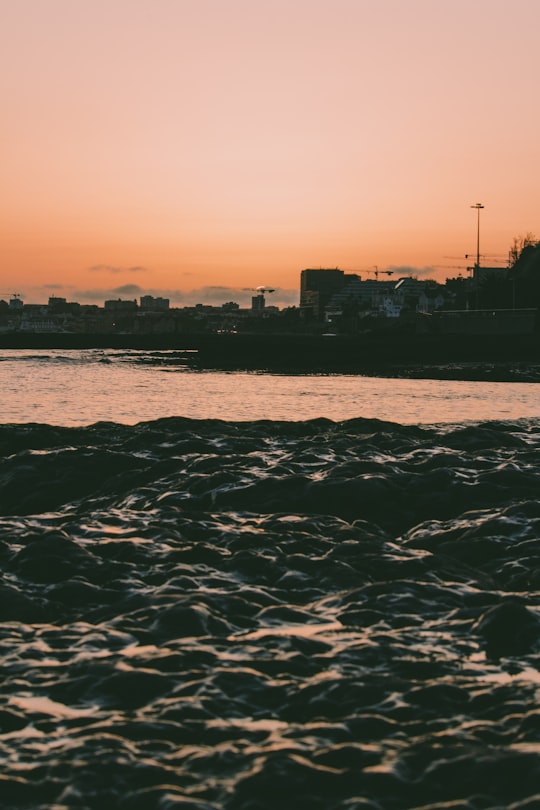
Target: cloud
x,y
129,289
402,271
99,295
215,291
110,268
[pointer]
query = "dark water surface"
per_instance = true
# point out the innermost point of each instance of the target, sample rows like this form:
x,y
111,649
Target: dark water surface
x,y
258,615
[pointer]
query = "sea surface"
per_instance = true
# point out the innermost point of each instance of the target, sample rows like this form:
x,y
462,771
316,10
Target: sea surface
x,y
241,591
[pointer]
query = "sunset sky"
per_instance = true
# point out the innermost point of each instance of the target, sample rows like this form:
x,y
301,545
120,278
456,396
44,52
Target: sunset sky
x,y
195,148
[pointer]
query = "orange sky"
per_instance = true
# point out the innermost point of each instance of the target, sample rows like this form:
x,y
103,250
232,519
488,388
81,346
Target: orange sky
x,y
193,148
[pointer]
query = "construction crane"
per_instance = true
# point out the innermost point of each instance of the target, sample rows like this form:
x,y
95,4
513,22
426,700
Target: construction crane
x,y
497,259
14,297
258,301
376,272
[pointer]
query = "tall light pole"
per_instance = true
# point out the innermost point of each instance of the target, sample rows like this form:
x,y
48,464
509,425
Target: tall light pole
x,y
476,271
478,206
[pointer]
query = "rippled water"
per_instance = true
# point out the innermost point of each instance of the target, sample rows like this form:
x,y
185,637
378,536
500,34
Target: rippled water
x,y
254,615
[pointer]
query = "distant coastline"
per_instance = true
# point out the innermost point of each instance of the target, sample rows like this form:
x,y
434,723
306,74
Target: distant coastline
x,y
503,358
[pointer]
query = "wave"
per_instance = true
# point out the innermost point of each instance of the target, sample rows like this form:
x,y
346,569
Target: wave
x,y
246,615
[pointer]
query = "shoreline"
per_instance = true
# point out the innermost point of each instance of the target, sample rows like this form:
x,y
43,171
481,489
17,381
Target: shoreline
x,y
494,358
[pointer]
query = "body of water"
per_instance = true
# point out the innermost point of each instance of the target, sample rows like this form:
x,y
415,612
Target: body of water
x,y
233,591
81,387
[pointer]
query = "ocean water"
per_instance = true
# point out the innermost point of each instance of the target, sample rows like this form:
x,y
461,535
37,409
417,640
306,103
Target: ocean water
x,y
258,592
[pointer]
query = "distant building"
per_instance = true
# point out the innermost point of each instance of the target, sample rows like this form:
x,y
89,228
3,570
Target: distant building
x,y
151,304
118,305
389,309
419,296
317,288
16,303
35,318
38,325
482,274
60,306
367,293
258,302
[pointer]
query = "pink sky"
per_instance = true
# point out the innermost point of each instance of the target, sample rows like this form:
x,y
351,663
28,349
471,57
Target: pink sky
x,y
193,148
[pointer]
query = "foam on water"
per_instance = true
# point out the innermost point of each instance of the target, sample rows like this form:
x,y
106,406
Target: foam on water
x,y
252,615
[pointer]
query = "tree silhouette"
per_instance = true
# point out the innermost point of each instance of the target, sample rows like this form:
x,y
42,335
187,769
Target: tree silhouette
x,y
525,272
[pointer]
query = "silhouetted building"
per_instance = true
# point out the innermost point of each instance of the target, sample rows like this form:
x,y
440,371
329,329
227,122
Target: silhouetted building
x,y
118,305
483,274
149,303
15,303
60,306
366,293
316,289
418,296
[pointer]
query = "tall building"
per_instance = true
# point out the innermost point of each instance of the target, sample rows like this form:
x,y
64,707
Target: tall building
x,y
258,302
316,289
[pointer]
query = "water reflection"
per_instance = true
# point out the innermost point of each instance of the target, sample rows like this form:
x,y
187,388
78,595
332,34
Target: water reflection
x,y
77,388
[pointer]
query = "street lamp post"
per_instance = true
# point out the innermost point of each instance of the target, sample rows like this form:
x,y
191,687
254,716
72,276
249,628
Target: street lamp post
x,y
476,272
478,206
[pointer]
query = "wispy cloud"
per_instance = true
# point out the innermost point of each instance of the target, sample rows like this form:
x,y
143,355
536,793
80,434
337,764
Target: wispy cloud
x,y
114,269
128,289
401,271
101,294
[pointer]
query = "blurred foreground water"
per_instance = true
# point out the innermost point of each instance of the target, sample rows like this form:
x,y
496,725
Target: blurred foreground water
x,y
260,614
